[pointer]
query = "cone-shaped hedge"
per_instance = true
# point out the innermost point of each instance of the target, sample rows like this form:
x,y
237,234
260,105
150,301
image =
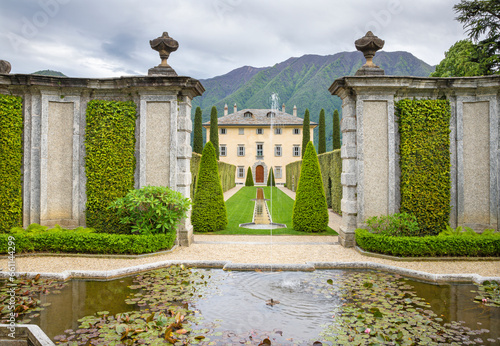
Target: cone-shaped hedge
x,y
270,178
306,132
249,181
310,211
209,210
198,132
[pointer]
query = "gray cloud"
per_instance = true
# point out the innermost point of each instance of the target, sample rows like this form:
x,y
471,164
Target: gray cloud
x,y
97,38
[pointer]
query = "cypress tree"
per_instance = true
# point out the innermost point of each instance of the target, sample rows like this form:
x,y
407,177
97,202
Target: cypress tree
x,y
209,210
249,181
214,130
306,136
336,130
270,178
321,133
198,132
310,211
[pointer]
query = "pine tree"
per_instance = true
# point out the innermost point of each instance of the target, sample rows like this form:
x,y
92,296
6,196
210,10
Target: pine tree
x,y
310,211
336,130
306,136
249,181
198,132
209,210
270,178
214,130
321,133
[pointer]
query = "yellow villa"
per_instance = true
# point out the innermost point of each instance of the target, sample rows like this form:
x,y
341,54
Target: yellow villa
x,y
260,139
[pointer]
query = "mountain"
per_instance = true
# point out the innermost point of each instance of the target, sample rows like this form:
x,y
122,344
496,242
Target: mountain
x,y
302,81
50,73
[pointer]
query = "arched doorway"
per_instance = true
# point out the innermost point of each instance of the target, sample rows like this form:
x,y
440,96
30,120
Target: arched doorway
x,y
259,174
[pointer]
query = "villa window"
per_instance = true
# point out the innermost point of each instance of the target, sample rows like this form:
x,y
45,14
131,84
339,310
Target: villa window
x,y
247,115
223,150
241,150
277,131
260,149
241,131
277,150
271,114
296,131
296,150
277,172
223,131
260,131
241,172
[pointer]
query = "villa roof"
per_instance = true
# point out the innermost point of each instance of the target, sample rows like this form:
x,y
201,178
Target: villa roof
x,y
259,117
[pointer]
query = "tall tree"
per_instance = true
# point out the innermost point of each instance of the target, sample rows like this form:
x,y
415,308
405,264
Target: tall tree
x,y
209,209
249,180
198,132
270,178
336,130
321,133
463,59
306,131
214,130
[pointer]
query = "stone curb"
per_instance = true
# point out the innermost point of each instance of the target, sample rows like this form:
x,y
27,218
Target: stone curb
x,y
226,265
420,259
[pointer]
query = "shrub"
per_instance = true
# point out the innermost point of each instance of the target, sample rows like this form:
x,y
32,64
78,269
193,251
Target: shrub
x,y
424,127
109,161
152,209
429,246
394,225
249,180
270,178
11,162
209,210
467,231
310,211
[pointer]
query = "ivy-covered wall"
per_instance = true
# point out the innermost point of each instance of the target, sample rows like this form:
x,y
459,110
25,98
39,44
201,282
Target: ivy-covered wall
x,y
424,127
227,173
11,162
331,167
109,161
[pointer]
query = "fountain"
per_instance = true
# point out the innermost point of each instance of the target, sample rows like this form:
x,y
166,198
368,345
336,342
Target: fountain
x,y
262,217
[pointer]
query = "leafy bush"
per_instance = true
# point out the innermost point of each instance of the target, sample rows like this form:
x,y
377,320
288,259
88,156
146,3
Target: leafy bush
x,y
424,127
394,225
209,210
466,231
152,209
310,211
429,246
11,162
109,161
83,240
249,180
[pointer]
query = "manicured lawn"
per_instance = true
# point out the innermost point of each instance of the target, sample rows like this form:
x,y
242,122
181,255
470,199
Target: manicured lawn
x,y
240,209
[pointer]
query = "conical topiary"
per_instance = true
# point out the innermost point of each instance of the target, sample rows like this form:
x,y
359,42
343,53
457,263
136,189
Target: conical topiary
x,y
270,178
249,181
209,210
306,132
310,211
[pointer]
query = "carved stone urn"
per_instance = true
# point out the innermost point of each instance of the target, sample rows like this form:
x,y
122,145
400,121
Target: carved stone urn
x,y
5,67
163,45
369,45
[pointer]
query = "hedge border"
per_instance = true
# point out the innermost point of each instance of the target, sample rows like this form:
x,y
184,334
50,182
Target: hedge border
x,y
11,162
429,246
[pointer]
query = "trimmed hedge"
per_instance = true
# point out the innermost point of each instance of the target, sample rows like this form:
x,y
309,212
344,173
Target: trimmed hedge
x,y
109,162
270,178
209,209
310,211
429,246
227,174
89,243
424,127
331,167
11,162
249,179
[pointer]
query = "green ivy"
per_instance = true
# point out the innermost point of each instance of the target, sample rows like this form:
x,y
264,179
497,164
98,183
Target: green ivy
x,y
11,162
109,161
424,127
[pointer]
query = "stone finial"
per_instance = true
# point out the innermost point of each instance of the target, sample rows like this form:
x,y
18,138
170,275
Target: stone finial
x,y
5,67
163,45
369,45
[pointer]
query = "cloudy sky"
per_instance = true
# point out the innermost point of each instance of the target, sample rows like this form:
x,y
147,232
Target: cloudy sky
x,y
107,38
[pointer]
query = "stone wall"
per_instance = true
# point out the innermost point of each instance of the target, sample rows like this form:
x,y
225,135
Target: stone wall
x,y
54,129
370,158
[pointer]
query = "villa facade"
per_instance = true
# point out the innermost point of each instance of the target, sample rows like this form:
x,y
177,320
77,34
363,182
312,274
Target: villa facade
x,y
260,139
